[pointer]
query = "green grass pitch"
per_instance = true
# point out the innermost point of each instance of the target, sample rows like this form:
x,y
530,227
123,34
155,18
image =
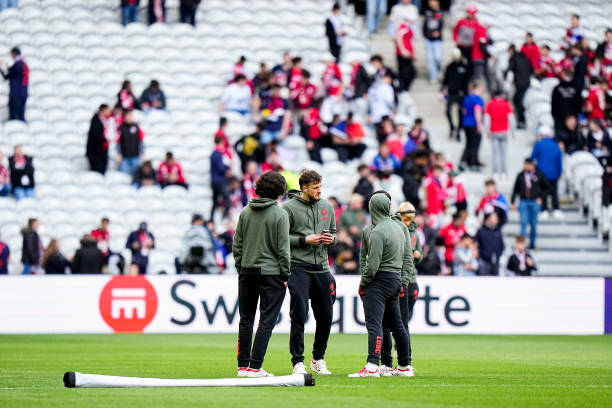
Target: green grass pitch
x,y
451,371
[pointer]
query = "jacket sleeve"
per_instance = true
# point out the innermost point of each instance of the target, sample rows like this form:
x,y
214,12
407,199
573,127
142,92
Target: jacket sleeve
x,y
363,253
375,252
516,189
332,226
237,245
295,241
408,263
283,249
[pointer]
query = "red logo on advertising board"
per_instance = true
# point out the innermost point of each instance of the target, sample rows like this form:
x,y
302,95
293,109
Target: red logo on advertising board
x,y
128,303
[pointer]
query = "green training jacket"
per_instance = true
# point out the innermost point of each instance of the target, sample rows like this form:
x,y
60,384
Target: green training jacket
x,y
382,242
306,218
408,268
261,242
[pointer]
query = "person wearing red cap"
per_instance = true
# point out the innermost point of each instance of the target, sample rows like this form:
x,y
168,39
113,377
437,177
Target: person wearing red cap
x,y
463,33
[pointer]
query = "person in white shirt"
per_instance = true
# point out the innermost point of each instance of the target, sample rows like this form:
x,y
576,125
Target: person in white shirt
x,y
401,9
334,29
382,99
237,96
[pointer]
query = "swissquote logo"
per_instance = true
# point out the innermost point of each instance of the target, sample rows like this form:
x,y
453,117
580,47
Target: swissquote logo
x,y
128,303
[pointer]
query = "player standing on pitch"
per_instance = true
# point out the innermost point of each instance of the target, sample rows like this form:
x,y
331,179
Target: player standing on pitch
x,y
263,258
312,230
410,290
381,261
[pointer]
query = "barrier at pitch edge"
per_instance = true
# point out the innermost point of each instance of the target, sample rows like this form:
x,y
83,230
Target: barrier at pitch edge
x,y
208,304
74,379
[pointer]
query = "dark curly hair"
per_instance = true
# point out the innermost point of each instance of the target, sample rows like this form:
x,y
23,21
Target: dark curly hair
x,y
271,185
309,176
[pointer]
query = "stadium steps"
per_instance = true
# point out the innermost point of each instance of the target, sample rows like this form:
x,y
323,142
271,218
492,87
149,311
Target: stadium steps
x,y
566,247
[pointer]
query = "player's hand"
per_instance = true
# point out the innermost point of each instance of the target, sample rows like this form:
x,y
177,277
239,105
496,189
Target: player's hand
x,y
327,239
314,239
416,254
285,283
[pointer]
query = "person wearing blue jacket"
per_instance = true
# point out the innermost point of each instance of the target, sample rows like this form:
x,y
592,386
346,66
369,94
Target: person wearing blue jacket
x,y
18,76
549,159
219,169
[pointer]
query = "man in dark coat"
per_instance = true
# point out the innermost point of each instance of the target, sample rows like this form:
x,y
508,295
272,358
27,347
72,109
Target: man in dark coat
x,y
522,68
88,258
335,32
31,247
22,174
188,11
18,76
97,144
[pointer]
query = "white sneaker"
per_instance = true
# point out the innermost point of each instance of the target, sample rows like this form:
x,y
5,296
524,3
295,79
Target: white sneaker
x,y
252,373
242,371
366,372
386,371
299,369
319,367
558,215
544,216
404,371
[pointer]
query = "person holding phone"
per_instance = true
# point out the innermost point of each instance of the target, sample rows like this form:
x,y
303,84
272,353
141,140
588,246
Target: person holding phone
x,y
312,231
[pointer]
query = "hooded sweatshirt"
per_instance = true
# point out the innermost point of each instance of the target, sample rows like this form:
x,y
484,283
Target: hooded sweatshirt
x,y
306,218
382,242
408,267
261,242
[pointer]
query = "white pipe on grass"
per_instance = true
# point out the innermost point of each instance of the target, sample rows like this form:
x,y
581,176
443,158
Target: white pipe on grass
x,y
79,380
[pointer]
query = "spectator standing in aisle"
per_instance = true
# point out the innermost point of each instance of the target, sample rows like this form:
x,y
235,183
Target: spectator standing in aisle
x,y
170,173
188,11
220,171
129,11
499,124
454,88
490,245
574,34
32,247
521,262
566,101
97,141
153,97
432,31
21,171
473,106
145,175
88,259
334,29
5,180
405,52
549,159
140,242
157,11
53,261
464,32
18,76
531,50
520,65
398,11
5,257
125,98
530,187
375,11
129,145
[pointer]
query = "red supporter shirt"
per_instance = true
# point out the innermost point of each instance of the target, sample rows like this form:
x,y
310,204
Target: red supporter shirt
x,y
332,79
165,169
436,195
314,123
549,66
532,52
463,33
451,235
406,35
103,238
498,109
295,77
303,95
226,145
480,37
597,102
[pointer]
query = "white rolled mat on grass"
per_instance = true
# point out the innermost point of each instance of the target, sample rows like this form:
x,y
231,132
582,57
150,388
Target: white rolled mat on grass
x,y
74,379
